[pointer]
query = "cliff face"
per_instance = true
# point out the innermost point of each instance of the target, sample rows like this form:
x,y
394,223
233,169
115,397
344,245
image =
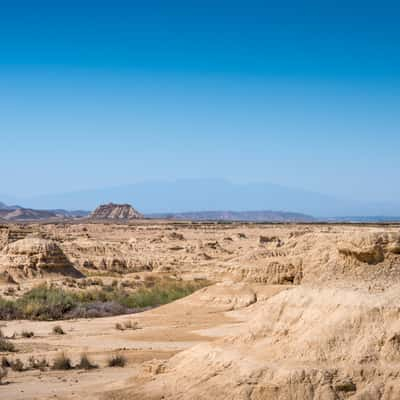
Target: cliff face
x,y
115,212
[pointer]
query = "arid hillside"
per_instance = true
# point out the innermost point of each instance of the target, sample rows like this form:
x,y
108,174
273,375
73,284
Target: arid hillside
x,y
287,311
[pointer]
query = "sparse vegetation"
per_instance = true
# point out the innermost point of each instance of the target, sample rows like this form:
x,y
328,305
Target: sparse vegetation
x,y
10,291
5,363
131,325
85,363
27,334
17,365
3,374
5,345
62,362
119,326
41,364
127,325
57,330
117,360
47,302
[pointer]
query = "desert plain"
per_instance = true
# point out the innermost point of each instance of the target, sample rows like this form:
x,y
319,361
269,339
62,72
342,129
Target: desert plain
x,y
276,311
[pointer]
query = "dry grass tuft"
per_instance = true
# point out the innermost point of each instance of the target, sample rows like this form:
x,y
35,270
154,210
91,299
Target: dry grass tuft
x,y
58,330
3,374
117,360
85,363
62,362
5,345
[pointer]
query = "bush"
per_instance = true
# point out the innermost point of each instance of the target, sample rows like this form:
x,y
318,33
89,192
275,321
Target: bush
x,y
47,302
9,310
131,325
41,364
85,363
58,330
119,326
3,374
97,309
17,365
117,360
27,334
62,362
5,363
10,291
6,345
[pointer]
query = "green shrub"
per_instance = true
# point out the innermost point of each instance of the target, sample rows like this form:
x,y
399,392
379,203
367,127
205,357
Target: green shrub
x,y
47,302
9,310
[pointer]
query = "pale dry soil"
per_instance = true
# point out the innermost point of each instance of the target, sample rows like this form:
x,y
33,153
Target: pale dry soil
x,y
162,333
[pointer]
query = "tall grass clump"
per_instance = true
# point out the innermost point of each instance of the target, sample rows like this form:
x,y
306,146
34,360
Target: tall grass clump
x,y
117,360
46,303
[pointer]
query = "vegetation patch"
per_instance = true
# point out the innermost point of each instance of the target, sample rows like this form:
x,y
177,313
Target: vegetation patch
x,y
85,363
40,364
3,374
62,362
57,330
5,345
117,360
47,302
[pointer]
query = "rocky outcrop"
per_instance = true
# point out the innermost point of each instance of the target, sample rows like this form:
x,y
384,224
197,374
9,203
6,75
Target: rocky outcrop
x,y
35,258
115,212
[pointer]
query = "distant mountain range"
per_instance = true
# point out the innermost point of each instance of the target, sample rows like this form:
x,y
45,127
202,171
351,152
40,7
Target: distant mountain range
x,y
18,213
252,216
125,211
186,195
183,196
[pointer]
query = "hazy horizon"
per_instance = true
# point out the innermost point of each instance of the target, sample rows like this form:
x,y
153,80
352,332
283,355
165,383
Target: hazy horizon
x,y
198,195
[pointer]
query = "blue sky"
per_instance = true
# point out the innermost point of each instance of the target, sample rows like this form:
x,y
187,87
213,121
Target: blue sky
x,y
97,94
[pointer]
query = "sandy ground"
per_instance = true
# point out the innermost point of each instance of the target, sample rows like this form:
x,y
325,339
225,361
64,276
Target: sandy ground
x,y
163,332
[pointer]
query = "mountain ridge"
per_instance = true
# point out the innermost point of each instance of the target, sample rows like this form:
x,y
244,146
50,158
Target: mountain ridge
x,y
186,195
250,216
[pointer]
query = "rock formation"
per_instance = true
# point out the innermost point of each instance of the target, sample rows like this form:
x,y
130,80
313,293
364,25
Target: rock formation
x,y
35,258
115,212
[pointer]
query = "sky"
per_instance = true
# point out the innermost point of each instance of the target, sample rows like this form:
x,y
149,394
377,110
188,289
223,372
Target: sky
x,y
99,93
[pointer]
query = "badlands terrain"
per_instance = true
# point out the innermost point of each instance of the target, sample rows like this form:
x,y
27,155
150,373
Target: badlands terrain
x,y
281,312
